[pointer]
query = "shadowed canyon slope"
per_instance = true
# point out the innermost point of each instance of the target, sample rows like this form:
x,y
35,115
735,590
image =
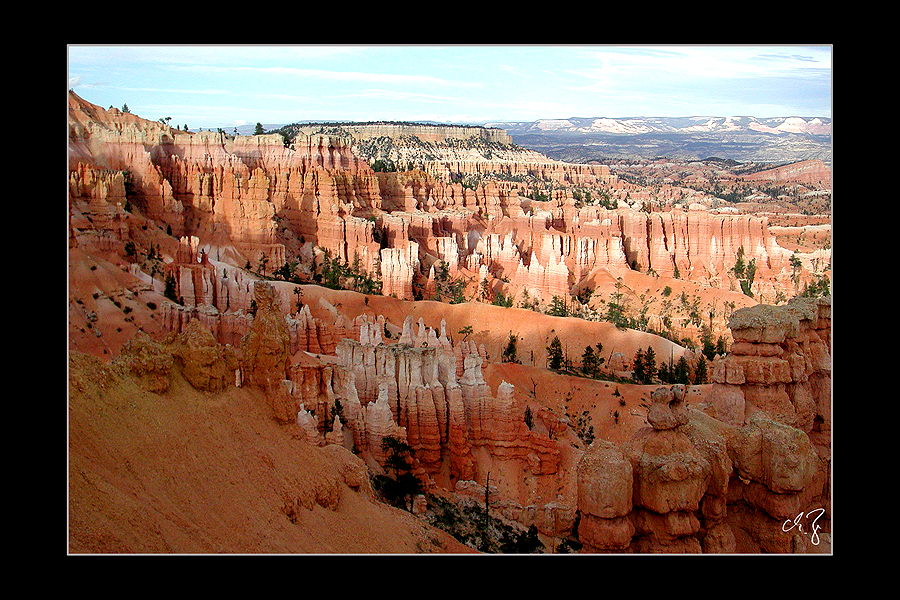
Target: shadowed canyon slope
x,y
254,320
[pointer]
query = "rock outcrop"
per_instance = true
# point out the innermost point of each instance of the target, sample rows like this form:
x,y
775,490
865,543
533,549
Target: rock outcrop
x,y
439,134
605,482
265,349
96,209
671,477
780,363
147,361
207,365
739,471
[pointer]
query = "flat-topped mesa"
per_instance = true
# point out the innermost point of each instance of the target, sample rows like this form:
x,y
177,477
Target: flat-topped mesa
x,y
523,164
435,134
452,152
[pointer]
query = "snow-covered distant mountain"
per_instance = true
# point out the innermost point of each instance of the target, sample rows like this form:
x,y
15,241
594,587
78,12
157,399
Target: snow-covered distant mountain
x,y
742,138
687,125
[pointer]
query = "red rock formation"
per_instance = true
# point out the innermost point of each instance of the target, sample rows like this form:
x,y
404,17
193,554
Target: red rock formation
x,y
327,403
148,361
780,477
671,477
442,406
96,209
265,348
206,364
228,191
251,199
780,363
703,247
728,475
605,478
398,269
719,479
418,384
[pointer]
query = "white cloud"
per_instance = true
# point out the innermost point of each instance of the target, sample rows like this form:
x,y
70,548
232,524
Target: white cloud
x,y
344,76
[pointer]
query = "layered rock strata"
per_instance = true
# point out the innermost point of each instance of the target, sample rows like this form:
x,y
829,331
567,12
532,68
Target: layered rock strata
x,y
688,482
780,363
252,200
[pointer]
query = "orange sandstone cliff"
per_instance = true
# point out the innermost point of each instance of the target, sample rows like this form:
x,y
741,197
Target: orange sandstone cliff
x,y
259,201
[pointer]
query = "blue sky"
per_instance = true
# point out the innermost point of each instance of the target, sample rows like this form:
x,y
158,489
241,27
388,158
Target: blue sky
x,y
209,86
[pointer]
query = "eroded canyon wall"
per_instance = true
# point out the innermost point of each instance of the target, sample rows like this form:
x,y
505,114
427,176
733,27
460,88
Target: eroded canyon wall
x,y
696,478
250,200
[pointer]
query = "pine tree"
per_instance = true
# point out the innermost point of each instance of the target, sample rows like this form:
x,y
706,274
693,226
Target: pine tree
x,y
405,484
700,372
170,291
650,364
558,307
555,353
589,361
637,370
682,372
509,353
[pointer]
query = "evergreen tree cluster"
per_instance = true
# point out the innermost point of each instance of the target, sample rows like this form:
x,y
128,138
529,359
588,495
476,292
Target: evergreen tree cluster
x,y
398,490
645,369
818,288
336,274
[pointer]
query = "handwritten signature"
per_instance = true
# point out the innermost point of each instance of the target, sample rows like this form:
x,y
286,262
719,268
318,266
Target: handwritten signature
x,y
797,522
